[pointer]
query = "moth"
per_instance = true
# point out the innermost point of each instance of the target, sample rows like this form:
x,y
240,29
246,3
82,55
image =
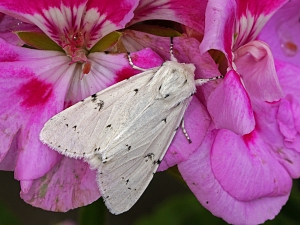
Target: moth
x,y
124,131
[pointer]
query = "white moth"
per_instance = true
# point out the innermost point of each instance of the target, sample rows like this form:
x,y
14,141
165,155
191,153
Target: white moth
x,y
125,130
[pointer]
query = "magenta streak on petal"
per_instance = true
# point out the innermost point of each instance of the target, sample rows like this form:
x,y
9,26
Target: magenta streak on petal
x,y
125,73
252,16
32,7
114,9
35,93
257,7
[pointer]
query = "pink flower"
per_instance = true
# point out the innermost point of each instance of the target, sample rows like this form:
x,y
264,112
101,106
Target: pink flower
x,y
231,27
37,84
244,173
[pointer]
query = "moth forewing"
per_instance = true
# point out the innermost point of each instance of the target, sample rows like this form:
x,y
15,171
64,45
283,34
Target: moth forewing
x,y
81,131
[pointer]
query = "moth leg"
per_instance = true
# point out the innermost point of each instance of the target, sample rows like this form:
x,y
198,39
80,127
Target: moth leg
x,y
199,82
134,66
185,132
172,57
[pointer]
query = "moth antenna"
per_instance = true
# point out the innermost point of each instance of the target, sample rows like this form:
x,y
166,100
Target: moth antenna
x,y
199,82
172,57
132,65
185,132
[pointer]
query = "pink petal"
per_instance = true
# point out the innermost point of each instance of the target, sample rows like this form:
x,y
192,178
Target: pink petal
x,y
197,172
282,33
64,19
254,61
191,15
219,27
288,109
245,161
230,107
268,127
289,81
70,184
196,122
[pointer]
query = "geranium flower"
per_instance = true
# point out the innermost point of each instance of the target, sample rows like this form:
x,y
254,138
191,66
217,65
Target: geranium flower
x,y
244,173
37,84
231,27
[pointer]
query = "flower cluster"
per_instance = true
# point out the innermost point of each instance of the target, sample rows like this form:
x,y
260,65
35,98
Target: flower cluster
x,y
246,146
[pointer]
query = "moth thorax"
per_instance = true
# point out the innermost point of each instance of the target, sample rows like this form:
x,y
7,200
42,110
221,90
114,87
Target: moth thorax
x,y
177,81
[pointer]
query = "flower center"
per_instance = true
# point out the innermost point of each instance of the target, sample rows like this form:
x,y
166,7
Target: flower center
x,y
75,48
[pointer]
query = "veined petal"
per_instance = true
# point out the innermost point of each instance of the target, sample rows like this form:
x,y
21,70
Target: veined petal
x,y
191,15
252,15
65,20
69,184
230,107
197,171
196,123
254,62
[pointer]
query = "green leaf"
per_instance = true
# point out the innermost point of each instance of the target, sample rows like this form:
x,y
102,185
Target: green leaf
x,y
106,42
93,214
180,210
39,41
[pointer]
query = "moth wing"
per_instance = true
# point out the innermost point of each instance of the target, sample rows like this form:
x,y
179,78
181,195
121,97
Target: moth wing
x,y
79,130
125,175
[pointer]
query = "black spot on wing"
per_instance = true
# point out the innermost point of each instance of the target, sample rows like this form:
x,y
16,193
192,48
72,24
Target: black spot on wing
x,y
128,147
99,105
149,156
74,127
136,90
94,97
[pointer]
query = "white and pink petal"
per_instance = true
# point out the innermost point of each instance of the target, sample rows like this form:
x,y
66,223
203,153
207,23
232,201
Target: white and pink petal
x,y
68,21
69,184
